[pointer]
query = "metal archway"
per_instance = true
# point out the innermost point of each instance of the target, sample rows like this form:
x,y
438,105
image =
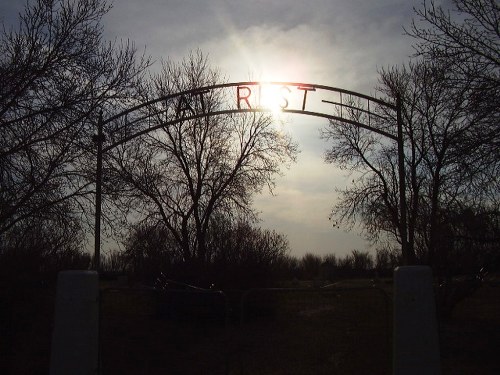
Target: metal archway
x,y
242,97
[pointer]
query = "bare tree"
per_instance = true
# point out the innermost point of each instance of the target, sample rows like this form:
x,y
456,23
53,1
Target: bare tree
x,y
310,265
440,175
467,36
239,254
245,255
56,73
187,172
362,260
386,260
37,249
149,250
466,39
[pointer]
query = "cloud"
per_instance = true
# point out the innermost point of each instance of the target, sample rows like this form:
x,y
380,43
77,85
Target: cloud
x,y
332,42
302,204
343,52
338,43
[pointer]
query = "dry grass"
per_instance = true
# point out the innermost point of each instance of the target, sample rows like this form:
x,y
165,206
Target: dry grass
x,y
470,341
282,332
332,332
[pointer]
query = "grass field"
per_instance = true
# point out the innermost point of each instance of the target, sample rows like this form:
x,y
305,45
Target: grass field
x,y
343,330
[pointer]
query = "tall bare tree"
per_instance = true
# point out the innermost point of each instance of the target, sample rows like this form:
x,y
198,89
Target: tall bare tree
x,y
450,99
187,172
465,37
56,73
440,176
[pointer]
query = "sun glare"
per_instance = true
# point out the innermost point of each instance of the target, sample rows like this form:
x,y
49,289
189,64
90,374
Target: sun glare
x,y
272,98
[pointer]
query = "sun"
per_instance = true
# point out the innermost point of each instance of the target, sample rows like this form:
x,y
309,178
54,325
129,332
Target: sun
x,y
271,98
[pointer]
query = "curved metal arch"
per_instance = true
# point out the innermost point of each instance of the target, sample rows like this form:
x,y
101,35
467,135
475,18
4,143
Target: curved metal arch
x,y
249,83
407,253
235,111
306,87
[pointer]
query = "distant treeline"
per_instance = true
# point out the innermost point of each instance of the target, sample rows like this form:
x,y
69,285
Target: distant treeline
x,y
237,255
250,270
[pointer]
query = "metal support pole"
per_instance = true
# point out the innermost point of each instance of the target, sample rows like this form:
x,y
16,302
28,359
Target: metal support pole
x,y
99,139
408,255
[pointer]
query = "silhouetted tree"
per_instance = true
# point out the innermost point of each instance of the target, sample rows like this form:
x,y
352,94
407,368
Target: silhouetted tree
x,y
310,265
289,268
56,73
149,251
244,255
464,36
386,260
362,260
186,173
474,236
39,248
346,263
331,259
440,175
240,255
450,102
466,39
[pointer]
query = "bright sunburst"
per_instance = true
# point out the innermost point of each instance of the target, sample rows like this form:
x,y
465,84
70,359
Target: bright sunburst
x,y
272,98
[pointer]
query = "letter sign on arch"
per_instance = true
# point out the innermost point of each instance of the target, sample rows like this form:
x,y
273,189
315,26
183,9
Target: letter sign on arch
x,y
242,97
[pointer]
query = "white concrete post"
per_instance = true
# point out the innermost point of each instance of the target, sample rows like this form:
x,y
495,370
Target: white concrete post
x,y
416,340
75,340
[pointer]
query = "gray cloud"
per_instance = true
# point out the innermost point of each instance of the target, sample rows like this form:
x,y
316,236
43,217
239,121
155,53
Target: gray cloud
x,y
332,42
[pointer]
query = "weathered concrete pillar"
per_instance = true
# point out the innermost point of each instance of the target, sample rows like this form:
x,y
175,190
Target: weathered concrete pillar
x,y
416,340
75,339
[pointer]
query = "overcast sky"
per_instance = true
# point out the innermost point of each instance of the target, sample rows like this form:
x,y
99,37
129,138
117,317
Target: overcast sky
x,y
339,43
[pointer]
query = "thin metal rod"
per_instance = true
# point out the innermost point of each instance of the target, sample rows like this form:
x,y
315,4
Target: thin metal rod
x,y
99,138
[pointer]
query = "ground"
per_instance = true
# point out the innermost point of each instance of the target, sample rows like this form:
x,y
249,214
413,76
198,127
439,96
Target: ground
x,y
342,330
